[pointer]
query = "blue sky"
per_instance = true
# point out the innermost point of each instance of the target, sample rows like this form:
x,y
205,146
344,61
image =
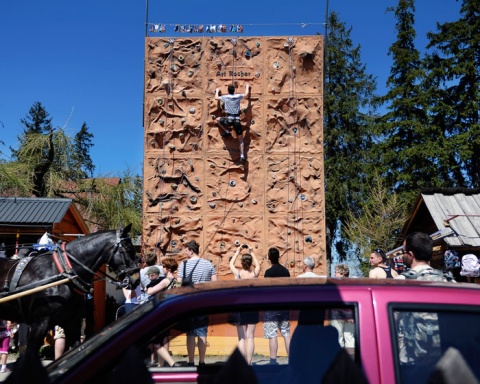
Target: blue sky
x,y
83,60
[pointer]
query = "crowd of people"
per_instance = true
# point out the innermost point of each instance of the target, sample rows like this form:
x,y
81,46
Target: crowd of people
x,y
156,277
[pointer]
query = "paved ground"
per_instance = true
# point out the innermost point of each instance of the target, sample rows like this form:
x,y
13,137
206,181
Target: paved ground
x,y
257,360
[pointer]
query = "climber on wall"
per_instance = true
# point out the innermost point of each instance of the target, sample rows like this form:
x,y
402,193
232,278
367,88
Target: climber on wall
x,y
231,105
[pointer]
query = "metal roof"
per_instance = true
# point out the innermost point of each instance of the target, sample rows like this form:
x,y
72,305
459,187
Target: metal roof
x,y
24,210
458,210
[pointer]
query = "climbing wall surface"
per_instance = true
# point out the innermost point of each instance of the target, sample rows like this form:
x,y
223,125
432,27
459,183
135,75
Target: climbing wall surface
x,y
195,186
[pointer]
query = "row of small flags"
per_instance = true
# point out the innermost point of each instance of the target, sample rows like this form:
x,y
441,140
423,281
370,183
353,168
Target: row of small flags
x,y
212,28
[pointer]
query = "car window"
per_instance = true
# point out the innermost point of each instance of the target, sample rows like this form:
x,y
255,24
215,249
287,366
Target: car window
x,y
308,340
430,341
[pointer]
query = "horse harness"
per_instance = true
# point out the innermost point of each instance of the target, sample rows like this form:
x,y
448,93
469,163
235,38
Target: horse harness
x,y
63,265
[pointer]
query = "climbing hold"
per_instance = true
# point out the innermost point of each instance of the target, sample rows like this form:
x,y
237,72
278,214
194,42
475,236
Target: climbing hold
x,y
254,201
171,147
257,75
248,54
240,204
237,243
173,243
233,183
190,73
234,53
161,121
214,117
234,42
222,244
303,197
197,178
212,205
292,263
166,45
181,58
308,239
257,44
177,221
192,110
184,94
214,193
252,122
198,47
193,199
174,186
181,135
276,65
173,68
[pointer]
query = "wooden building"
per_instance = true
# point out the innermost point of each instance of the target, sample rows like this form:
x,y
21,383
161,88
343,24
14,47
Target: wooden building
x,y
452,218
24,220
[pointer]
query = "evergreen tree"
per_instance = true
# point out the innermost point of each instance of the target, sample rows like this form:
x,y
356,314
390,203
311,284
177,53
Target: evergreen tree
x,y
82,165
36,122
347,131
409,144
453,86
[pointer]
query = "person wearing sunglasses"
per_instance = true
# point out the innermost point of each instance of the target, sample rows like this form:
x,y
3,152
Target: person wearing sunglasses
x,y
380,269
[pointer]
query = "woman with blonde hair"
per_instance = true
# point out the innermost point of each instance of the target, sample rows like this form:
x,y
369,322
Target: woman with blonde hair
x,y
246,321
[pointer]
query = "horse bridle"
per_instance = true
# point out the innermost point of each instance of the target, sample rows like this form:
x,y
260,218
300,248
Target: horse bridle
x,y
125,270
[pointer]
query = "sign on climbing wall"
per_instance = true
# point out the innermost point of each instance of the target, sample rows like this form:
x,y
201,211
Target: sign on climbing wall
x,y
197,186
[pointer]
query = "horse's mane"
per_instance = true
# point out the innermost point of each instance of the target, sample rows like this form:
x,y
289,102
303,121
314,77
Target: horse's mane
x,y
89,242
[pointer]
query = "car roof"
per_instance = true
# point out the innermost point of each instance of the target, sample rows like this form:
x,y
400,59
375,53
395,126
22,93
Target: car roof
x,y
325,281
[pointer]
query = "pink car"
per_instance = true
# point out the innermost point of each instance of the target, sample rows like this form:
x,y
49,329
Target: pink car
x,y
326,330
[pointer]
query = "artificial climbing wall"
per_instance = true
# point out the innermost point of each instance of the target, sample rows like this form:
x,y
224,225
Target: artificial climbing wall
x,y
195,187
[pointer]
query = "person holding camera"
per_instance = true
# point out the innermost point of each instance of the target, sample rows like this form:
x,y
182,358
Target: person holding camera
x,y
246,321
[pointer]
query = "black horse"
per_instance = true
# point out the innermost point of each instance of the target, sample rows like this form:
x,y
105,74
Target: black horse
x,y
63,304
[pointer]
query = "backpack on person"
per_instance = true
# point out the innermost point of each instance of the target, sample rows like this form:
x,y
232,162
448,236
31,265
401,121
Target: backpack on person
x,y
470,266
429,274
187,280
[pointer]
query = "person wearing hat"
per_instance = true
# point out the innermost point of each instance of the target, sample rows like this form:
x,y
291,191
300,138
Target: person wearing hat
x,y
169,266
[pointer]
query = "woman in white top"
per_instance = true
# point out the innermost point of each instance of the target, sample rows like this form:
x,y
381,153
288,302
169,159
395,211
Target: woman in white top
x,y
246,321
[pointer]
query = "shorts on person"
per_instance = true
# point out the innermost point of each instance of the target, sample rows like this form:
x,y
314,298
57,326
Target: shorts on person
x,y
199,326
276,320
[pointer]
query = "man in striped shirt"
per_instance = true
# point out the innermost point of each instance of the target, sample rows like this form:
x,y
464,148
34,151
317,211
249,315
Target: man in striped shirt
x,y
199,270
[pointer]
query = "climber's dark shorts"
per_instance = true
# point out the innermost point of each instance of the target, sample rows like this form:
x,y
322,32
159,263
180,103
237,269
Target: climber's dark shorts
x,y
232,121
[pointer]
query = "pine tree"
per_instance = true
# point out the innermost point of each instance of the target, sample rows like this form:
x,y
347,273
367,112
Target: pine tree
x,y
409,144
347,131
36,122
82,165
453,87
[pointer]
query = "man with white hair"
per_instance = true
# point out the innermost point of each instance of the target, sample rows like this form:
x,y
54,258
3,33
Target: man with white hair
x,y
308,265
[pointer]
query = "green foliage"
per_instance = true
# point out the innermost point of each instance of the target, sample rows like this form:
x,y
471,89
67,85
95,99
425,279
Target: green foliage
x,y
82,164
453,89
111,202
348,91
49,163
377,223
